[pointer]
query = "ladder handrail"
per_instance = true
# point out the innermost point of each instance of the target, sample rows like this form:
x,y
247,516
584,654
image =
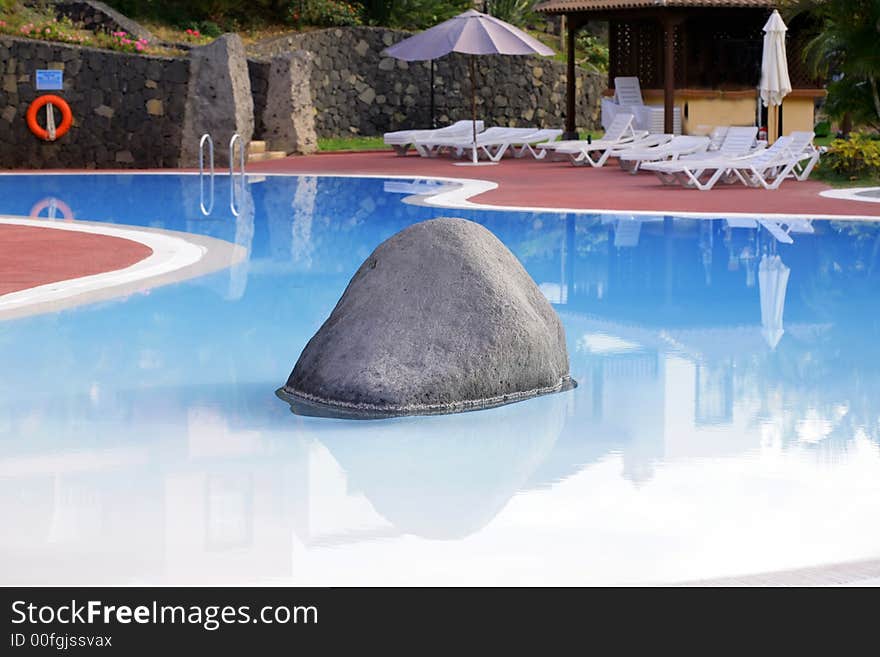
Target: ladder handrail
x,y
232,200
206,138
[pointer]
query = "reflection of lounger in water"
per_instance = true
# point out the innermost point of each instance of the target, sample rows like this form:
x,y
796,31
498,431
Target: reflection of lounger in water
x,y
414,187
446,477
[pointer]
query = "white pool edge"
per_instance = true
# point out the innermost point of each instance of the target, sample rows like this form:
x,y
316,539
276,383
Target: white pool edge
x,y
853,194
169,254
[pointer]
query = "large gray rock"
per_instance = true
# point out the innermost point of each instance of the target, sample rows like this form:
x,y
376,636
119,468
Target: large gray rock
x,y
440,318
289,116
218,100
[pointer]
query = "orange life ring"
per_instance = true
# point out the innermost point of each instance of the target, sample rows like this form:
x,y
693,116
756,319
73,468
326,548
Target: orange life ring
x,y
52,203
66,116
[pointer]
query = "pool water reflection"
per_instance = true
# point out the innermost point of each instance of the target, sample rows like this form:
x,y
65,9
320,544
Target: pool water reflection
x,y
727,419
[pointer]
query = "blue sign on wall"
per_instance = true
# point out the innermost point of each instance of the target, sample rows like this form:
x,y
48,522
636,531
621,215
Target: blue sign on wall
x,y
49,79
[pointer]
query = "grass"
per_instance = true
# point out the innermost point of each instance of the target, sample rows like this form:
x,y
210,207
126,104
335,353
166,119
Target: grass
x,y
838,180
337,144
331,144
250,34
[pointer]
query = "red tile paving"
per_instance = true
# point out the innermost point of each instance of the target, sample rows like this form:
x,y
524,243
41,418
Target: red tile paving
x,y
544,184
35,256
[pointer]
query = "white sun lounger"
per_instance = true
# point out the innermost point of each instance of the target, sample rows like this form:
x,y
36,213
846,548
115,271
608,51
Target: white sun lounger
x,y
579,151
527,147
402,140
633,158
792,156
776,231
628,98
620,130
491,143
597,153
689,169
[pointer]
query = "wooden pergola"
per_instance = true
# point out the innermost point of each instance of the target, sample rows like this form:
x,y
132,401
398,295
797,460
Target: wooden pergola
x,y
677,44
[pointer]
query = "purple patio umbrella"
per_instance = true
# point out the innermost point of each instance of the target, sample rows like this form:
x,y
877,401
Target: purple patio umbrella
x,y
471,33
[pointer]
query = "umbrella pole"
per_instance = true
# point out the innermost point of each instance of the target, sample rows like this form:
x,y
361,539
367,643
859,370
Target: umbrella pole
x,y
474,106
773,124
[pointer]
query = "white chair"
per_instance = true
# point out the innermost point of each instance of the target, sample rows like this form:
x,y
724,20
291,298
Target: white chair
x,y
402,140
628,98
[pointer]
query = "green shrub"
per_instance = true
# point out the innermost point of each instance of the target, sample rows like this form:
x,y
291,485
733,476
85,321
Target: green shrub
x,y
324,13
209,29
822,129
595,50
856,157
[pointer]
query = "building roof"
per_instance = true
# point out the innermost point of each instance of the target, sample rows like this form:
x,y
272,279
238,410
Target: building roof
x,y
564,6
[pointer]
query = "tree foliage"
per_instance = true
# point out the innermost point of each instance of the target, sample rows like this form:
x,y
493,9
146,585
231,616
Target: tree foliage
x,y
846,48
408,14
515,12
412,14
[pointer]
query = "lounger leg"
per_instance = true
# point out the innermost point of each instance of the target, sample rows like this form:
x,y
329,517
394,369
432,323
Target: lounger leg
x,y
785,173
603,158
498,154
667,178
804,173
710,183
539,154
577,159
401,149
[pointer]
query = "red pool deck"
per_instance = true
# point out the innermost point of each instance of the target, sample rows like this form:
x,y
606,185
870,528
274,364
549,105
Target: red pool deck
x,y
33,256
544,184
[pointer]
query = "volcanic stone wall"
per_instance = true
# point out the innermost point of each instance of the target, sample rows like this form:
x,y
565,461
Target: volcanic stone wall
x,y
357,90
127,108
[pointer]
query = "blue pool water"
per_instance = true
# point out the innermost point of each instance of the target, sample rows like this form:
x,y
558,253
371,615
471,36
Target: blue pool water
x,y
727,418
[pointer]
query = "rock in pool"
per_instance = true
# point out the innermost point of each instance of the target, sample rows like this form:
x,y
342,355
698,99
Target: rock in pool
x,y
440,318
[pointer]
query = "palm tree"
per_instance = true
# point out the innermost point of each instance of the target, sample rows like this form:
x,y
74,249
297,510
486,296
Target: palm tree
x,y
847,43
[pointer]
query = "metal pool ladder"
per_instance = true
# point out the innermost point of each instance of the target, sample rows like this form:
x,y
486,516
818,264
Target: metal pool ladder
x,y
206,139
236,184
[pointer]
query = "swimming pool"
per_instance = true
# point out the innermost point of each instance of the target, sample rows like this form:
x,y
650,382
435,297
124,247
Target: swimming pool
x,y
727,418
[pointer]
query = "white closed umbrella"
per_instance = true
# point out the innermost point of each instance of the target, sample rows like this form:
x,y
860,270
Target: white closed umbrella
x,y
772,283
775,83
471,33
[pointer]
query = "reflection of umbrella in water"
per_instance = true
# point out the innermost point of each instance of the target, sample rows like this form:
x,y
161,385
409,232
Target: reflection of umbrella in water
x,y
446,477
471,33
772,283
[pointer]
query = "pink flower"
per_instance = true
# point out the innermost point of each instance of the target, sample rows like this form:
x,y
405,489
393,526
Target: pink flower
x,y
48,30
196,33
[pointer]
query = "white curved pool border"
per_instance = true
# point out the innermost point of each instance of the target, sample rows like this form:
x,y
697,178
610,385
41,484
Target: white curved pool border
x,y
459,198
853,194
169,254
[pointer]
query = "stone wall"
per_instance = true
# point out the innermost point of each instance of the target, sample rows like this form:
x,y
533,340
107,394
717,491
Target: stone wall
x,y
356,90
127,109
